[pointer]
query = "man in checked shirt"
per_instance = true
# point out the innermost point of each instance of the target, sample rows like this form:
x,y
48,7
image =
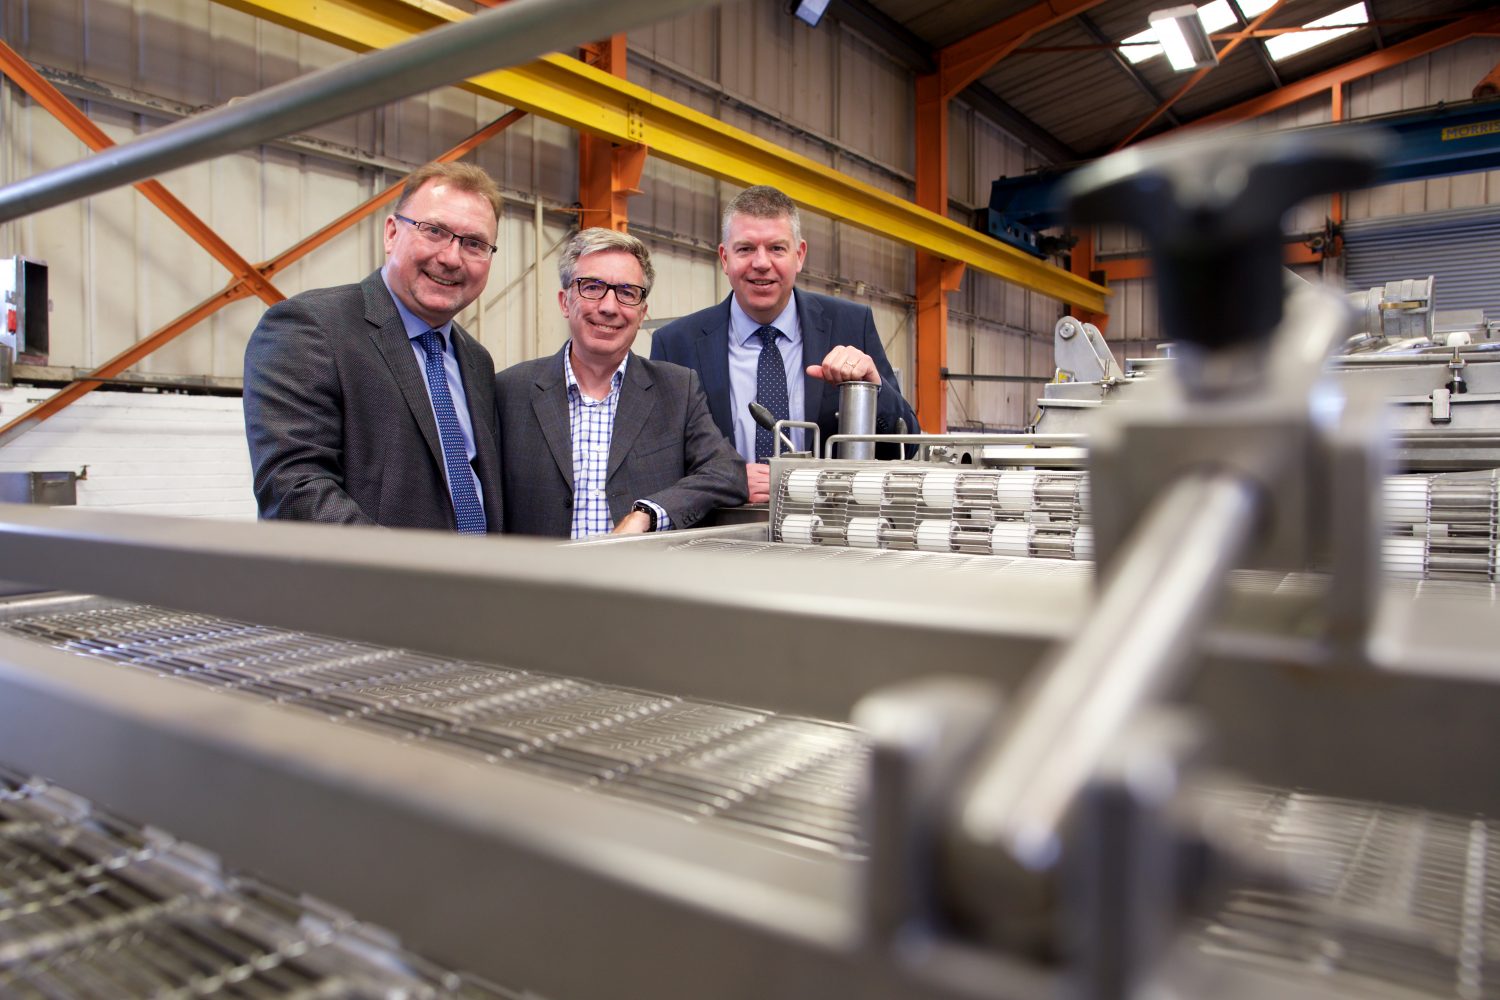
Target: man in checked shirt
x,y
596,439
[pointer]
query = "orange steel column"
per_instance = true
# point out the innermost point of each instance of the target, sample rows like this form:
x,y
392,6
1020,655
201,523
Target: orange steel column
x,y
1336,200
1082,262
936,276
608,174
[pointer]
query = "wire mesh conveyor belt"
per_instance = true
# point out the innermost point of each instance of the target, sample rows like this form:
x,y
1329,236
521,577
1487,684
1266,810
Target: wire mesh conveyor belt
x,y
792,779
92,906
1016,513
1401,903
1440,526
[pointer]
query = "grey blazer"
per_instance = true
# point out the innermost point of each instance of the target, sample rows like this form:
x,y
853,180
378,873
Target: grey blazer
x,y
338,418
664,447
700,341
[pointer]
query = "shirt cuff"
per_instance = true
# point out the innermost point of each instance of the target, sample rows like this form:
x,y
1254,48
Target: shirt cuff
x,y
663,521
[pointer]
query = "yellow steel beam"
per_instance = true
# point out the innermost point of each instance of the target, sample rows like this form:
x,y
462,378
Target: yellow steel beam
x,y
566,90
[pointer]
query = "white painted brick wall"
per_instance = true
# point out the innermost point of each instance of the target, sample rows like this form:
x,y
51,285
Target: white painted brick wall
x,y
156,454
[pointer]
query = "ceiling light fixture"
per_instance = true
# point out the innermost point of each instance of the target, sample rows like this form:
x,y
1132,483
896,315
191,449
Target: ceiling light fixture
x,y
1181,33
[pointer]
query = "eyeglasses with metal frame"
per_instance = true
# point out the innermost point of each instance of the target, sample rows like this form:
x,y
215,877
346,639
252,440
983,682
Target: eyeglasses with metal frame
x,y
470,246
595,289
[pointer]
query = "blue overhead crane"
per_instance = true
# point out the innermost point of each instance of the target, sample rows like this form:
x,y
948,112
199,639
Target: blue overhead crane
x,y
1437,141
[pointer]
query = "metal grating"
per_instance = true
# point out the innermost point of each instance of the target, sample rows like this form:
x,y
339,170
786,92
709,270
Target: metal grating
x,y
92,906
795,780
1443,526
1395,902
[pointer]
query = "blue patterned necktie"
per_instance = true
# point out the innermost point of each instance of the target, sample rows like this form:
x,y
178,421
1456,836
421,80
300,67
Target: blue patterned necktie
x,y
770,388
466,506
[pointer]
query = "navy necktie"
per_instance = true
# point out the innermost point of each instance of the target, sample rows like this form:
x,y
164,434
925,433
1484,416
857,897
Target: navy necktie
x,y
466,507
770,388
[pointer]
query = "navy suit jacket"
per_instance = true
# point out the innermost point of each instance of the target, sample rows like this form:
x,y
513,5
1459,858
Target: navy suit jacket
x,y
663,447
700,341
338,419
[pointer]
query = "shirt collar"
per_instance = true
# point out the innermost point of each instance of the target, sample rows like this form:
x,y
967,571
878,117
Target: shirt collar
x,y
742,328
572,380
415,326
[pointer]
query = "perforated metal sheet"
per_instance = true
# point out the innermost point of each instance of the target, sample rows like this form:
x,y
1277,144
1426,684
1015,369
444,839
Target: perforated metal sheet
x,y
792,779
92,906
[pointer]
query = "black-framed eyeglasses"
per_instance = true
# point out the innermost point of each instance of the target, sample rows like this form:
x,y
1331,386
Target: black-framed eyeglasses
x,y
595,289
471,246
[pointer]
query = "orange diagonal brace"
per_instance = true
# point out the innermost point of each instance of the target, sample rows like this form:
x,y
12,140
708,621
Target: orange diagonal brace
x,y
303,247
966,60
1382,59
1197,77
236,290
93,136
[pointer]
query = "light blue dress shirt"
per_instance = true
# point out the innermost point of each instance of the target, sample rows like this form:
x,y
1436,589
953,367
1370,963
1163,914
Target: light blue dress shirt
x,y
415,327
744,357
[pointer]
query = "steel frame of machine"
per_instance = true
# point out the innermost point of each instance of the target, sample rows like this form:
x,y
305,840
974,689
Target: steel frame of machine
x,y
514,878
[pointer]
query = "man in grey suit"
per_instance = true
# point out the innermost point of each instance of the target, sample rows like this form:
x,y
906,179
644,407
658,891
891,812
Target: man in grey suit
x,y
762,254
598,439
366,403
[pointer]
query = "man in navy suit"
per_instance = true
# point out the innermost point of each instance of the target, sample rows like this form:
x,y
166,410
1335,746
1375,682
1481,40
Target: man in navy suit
x,y
821,340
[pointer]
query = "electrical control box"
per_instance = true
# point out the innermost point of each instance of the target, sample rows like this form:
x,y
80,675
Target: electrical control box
x,y
24,308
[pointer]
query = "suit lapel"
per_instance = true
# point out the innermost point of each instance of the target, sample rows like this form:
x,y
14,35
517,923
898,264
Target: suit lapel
x,y
549,401
390,338
817,341
636,403
713,369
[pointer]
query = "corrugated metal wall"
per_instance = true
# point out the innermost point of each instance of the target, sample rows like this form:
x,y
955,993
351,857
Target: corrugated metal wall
x,y
1446,75
994,327
119,270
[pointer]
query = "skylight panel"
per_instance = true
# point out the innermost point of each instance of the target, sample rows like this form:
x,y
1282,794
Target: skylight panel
x,y
1140,46
1285,46
1216,16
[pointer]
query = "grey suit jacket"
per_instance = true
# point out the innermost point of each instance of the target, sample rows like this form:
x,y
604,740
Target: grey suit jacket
x,y
664,447
338,418
700,341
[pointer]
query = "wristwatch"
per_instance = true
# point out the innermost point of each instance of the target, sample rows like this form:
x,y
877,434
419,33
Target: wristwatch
x,y
648,510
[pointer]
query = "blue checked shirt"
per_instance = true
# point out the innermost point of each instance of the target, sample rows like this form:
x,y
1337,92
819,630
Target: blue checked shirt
x,y
591,423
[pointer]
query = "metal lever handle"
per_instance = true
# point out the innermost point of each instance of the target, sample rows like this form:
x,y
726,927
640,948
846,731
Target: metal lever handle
x,y
763,417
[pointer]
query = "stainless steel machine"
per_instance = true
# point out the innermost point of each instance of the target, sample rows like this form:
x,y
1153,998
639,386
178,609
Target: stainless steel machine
x,y
878,769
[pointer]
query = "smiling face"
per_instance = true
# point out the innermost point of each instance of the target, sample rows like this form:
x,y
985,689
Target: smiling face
x,y
602,329
762,262
437,282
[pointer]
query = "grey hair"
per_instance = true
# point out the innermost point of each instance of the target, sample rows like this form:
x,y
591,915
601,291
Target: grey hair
x,y
762,202
598,240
